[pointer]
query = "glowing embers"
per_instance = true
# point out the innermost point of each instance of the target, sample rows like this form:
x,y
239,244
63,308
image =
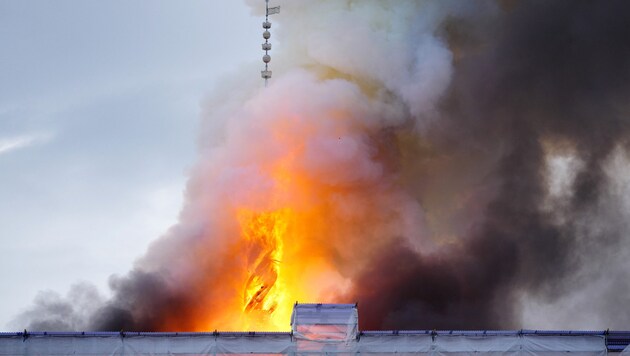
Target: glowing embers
x,y
263,234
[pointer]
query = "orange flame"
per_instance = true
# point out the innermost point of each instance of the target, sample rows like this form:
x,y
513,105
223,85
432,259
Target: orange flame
x,y
273,247
264,290
281,265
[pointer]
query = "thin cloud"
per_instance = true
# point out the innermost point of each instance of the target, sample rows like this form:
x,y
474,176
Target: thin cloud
x,y
9,144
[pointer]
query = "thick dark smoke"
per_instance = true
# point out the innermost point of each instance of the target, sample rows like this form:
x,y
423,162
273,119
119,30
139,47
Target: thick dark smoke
x,y
554,71
462,201
137,298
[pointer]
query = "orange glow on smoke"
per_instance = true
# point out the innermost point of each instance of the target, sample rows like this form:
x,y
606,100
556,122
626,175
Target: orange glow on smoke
x,y
278,255
273,245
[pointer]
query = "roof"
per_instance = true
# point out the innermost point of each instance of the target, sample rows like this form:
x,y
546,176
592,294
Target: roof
x,y
316,329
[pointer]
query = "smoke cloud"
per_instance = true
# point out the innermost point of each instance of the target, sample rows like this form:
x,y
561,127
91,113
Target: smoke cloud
x,y
448,165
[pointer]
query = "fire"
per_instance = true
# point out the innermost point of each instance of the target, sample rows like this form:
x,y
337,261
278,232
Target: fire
x,y
264,235
283,259
271,242
281,265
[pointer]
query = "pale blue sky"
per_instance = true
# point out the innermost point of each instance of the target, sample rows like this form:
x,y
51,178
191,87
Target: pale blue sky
x,y
99,109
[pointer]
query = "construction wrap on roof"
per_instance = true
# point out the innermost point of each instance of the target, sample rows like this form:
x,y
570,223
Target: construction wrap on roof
x,y
321,322
286,344
317,329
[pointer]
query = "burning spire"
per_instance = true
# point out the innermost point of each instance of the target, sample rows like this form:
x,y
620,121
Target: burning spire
x,y
264,234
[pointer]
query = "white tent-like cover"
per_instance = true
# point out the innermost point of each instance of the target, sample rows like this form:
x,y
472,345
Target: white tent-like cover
x,y
317,329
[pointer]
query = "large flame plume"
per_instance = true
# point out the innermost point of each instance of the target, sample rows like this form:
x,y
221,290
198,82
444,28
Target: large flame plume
x,y
445,164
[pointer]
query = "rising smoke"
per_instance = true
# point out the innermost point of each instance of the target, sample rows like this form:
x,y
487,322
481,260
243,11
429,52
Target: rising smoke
x,y
450,165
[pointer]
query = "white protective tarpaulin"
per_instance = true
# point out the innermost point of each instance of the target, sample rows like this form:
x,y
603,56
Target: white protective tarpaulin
x,y
144,344
321,322
287,344
317,329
